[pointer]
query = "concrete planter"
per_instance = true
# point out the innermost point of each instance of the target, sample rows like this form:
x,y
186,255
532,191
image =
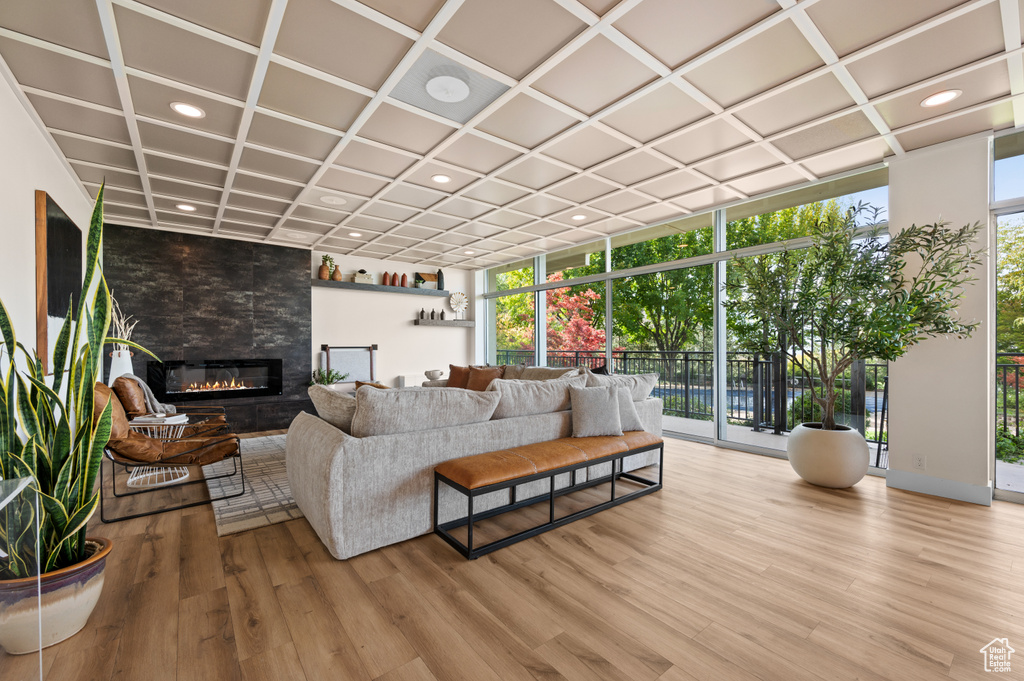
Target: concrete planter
x,y
68,598
828,458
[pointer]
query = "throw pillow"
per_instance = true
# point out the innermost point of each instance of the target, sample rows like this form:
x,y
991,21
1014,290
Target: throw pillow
x,y
334,407
523,398
601,370
405,410
639,385
372,384
595,411
628,416
457,376
131,396
481,377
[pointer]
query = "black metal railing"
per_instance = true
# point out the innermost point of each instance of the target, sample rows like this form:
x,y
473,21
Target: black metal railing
x,y
1009,376
761,391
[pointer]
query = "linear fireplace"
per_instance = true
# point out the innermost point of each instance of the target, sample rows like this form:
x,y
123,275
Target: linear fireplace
x,y
184,381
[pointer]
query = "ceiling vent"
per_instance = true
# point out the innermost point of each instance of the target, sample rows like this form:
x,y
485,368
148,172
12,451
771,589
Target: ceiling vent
x,y
446,88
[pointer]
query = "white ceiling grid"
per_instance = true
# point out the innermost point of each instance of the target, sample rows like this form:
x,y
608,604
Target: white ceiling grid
x,y
650,110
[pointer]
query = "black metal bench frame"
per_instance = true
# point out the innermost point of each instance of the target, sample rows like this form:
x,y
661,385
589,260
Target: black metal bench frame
x,y
443,530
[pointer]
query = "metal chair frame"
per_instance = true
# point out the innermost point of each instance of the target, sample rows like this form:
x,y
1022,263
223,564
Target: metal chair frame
x,y
128,465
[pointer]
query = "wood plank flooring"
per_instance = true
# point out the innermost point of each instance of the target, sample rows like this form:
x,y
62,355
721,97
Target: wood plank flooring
x,y
736,570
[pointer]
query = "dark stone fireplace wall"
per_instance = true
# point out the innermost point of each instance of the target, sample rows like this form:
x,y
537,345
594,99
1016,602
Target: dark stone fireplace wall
x,y
199,297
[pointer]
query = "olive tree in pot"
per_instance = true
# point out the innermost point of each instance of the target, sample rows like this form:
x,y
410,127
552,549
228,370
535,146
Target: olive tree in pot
x,y
854,294
49,434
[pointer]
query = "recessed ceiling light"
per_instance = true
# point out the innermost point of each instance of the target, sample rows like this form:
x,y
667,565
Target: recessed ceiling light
x,y
189,110
579,216
186,207
355,234
333,200
468,252
940,98
441,179
447,89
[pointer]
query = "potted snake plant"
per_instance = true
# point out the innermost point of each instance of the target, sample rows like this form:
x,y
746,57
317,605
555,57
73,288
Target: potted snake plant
x,y
852,295
48,434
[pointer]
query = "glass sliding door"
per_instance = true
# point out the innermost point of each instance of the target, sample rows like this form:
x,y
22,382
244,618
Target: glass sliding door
x,y
663,324
575,314
1010,352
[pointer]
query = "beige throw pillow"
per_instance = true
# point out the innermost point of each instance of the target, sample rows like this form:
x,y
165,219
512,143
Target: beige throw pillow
x,y
404,410
639,385
548,373
334,407
628,416
595,411
526,397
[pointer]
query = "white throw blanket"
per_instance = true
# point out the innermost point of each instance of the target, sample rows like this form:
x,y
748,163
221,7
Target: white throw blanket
x,y
152,406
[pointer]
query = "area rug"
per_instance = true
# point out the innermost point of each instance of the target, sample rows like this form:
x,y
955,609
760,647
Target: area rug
x,y
267,499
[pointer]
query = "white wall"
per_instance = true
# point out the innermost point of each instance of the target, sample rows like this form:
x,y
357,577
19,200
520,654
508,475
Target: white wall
x,y
942,392
348,317
28,163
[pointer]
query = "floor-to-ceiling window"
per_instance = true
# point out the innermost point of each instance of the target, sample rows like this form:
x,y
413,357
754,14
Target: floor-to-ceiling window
x,y
650,301
1008,209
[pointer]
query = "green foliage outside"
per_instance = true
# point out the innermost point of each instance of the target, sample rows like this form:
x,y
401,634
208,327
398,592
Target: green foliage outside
x,y
1009,447
1010,289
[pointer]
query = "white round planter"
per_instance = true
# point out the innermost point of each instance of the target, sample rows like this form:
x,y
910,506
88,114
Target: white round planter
x,y
828,458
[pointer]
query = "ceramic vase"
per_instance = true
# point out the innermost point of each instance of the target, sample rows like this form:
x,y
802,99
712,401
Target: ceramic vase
x,y
120,364
324,272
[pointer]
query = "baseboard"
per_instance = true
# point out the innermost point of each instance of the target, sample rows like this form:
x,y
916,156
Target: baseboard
x,y
940,487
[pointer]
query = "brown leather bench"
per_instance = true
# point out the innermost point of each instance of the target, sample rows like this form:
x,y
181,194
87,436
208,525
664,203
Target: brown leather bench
x,y
507,468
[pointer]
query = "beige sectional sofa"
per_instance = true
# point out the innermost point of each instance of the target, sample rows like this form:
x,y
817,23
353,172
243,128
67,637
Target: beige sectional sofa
x,y
372,486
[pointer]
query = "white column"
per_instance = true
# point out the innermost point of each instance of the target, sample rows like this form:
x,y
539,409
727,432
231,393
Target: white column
x,y
942,392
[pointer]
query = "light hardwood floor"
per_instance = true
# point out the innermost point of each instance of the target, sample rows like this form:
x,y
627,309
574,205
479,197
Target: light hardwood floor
x,y
736,570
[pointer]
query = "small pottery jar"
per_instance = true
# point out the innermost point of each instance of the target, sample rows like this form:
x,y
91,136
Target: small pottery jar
x,y
324,272
405,280
337,274
386,281
394,279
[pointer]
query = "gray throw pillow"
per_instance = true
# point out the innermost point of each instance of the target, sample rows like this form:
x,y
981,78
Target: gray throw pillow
x,y
404,410
639,385
595,411
335,407
525,397
629,418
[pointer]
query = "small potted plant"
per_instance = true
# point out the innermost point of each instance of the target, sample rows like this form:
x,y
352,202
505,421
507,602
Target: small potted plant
x,y
327,377
327,268
850,296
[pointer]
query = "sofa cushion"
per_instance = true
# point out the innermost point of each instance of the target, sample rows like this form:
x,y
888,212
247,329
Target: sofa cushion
x,y
525,397
639,385
595,411
547,373
481,377
404,410
628,417
513,371
334,407
131,396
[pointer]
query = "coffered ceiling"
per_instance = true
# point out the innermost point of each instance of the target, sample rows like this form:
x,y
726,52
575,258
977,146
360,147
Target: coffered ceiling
x,y
583,118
